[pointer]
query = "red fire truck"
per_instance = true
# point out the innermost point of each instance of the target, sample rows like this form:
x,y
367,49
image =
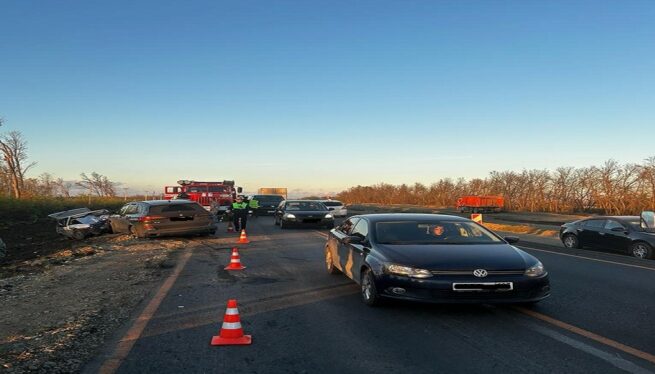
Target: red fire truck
x,y
216,195
480,203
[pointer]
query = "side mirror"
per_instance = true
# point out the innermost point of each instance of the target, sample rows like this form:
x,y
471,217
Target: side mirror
x,y
512,239
618,229
352,239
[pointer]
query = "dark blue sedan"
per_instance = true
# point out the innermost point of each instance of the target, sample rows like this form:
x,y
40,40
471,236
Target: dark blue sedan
x,y
434,258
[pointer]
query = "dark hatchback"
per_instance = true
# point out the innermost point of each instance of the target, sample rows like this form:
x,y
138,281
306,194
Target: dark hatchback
x,y
434,258
267,204
624,234
147,219
303,213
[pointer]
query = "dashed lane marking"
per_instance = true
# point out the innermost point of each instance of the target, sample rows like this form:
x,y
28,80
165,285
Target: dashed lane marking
x,y
588,334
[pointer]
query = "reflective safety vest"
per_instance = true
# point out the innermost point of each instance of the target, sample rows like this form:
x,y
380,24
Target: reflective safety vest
x,y
253,204
239,206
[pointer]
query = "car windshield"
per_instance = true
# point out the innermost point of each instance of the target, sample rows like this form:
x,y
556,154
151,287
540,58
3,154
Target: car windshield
x,y
268,199
433,232
305,205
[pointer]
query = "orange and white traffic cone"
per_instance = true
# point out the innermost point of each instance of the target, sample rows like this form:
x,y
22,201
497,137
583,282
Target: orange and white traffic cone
x,y
231,331
243,239
235,261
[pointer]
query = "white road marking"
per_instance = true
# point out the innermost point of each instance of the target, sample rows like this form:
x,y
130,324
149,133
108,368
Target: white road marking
x,y
589,258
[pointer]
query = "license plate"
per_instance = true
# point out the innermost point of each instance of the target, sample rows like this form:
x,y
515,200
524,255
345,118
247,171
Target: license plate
x,y
483,286
270,211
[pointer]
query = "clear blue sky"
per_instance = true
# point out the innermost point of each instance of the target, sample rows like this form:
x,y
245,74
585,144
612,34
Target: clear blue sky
x,y
322,95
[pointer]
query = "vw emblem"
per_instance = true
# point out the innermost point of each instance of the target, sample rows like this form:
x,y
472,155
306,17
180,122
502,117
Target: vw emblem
x,y
480,273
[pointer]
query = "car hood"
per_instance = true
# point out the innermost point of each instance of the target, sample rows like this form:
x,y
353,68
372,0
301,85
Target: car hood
x,y
456,257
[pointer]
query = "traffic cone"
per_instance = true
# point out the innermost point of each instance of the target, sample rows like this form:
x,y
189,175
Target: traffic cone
x,y
231,331
243,239
235,261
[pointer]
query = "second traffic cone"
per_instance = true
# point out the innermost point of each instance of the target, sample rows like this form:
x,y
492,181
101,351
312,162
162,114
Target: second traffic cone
x,y
231,330
235,261
243,238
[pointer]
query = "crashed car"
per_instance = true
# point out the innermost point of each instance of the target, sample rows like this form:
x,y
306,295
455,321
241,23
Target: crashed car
x,y
82,222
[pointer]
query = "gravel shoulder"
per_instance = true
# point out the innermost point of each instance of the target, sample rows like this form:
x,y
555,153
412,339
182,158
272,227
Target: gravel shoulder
x,y
57,315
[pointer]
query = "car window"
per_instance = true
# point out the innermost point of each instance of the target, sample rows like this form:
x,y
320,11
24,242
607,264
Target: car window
x,y
360,229
433,232
610,224
131,209
305,206
173,208
347,225
594,223
332,203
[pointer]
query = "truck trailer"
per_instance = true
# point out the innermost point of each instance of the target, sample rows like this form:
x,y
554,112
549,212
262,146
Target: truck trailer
x,y
479,204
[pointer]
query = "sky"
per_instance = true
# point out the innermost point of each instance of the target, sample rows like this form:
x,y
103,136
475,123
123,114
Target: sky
x,y
319,96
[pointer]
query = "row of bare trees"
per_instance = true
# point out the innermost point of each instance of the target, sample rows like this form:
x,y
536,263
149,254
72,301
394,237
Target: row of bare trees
x,y
14,165
611,188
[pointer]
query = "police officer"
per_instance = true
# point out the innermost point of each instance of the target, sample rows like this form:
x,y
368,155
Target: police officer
x,y
239,210
253,205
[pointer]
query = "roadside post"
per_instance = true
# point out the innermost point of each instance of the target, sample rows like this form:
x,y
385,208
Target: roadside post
x,y
476,217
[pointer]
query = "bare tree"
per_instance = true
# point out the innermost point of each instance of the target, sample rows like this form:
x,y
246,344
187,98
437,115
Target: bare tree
x,y
14,153
97,184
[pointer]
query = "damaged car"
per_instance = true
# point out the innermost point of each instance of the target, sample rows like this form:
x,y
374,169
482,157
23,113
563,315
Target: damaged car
x,y
82,222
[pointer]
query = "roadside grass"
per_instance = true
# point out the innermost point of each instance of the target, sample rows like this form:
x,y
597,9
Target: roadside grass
x,y
14,211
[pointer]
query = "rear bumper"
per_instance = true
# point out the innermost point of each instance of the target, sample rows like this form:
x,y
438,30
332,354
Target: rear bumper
x,y
154,232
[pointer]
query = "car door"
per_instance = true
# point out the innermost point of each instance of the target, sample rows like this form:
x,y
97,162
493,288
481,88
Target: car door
x,y
341,250
120,223
615,236
589,232
357,251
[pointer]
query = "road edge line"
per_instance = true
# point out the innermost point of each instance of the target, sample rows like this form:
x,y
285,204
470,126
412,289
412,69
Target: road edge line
x,y
126,343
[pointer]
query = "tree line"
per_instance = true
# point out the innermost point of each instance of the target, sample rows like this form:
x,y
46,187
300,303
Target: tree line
x,y
14,165
611,188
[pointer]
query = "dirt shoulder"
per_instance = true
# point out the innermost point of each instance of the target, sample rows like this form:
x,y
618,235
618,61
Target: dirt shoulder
x,y
58,309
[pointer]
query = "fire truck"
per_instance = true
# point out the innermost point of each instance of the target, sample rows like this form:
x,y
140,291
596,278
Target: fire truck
x,y
217,196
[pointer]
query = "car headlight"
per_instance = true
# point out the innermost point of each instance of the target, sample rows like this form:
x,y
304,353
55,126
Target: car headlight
x,y
328,216
289,215
536,270
410,272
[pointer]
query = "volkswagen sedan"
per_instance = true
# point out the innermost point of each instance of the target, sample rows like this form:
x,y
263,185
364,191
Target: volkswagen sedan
x,y
434,258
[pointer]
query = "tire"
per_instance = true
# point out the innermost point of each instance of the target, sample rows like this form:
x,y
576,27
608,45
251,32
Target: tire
x,y
369,292
641,250
329,263
78,235
571,241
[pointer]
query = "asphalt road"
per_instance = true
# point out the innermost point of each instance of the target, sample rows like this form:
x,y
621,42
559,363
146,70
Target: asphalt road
x,y
599,319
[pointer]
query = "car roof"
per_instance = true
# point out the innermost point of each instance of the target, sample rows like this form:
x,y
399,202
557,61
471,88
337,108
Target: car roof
x,y
622,218
167,202
382,217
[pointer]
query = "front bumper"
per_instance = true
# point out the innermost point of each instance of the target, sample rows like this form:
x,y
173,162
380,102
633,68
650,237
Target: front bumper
x,y
439,289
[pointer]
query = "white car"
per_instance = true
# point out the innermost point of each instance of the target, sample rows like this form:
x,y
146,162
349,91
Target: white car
x,y
337,207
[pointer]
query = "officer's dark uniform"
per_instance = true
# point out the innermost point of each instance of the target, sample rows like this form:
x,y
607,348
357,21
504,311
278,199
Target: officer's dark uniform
x,y
240,215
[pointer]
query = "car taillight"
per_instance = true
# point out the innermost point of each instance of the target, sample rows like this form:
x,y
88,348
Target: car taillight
x,y
150,218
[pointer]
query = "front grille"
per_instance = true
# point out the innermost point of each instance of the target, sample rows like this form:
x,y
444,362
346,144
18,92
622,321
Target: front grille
x,y
311,220
470,272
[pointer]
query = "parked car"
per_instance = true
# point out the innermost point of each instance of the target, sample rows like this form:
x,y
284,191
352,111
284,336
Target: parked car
x,y
147,219
337,207
433,258
267,203
81,223
631,235
303,213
